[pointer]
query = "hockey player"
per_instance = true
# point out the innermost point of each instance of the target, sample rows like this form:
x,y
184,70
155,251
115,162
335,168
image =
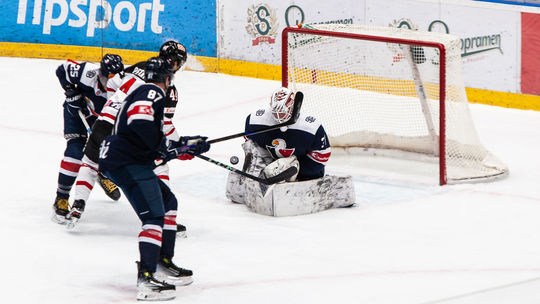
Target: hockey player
x,y
304,145
118,87
127,157
85,89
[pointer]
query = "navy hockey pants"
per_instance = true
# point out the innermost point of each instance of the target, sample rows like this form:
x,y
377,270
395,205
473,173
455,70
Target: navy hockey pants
x,y
75,134
152,200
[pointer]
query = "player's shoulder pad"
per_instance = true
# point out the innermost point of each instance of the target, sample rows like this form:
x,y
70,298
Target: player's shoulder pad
x,y
148,91
262,116
306,123
136,69
85,74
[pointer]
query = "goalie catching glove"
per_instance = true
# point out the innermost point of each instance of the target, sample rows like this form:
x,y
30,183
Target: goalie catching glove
x,y
280,165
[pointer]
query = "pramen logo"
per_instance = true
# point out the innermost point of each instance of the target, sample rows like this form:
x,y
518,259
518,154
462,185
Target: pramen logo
x,y
262,24
469,46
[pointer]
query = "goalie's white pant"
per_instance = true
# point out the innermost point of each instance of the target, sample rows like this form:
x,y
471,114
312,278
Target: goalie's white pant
x,y
286,199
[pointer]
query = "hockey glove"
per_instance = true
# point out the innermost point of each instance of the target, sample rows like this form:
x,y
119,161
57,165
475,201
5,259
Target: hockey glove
x,y
171,150
193,145
74,99
201,147
178,154
188,141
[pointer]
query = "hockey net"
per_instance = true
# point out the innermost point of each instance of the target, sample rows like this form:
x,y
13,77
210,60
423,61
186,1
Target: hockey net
x,y
389,88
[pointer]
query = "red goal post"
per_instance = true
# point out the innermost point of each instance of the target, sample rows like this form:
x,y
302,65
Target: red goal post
x,y
386,88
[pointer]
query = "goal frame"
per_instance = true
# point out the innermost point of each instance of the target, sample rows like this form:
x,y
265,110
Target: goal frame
x,y
410,42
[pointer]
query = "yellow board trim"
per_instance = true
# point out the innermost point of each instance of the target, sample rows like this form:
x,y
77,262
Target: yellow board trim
x,y
74,52
229,66
504,99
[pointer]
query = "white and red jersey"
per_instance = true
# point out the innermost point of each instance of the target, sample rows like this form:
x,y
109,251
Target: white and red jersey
x,y
118,88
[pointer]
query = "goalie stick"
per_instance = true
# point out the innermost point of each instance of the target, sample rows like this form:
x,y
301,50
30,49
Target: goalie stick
x,y
298,98
267,181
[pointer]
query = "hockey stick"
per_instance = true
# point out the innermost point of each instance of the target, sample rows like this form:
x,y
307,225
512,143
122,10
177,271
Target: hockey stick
x,y
267,181
86,125
298,98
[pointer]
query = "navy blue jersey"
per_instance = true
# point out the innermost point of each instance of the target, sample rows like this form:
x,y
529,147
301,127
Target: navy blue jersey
x,y
138,130
305,138
86,77
172,93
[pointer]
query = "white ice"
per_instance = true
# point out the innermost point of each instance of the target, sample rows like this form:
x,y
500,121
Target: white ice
x,y
406,241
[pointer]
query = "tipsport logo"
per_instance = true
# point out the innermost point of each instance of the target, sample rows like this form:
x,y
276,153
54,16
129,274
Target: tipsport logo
x,y
92,14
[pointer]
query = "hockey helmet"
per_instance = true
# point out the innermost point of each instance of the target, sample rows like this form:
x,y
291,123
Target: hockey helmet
x,y
111,64
281,104
157,70
174,52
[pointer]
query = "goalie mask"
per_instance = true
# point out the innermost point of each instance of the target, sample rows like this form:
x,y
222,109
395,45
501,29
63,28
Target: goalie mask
x,y
281,104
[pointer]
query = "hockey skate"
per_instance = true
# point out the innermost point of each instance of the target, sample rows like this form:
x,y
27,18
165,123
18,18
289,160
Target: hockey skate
x,y
109,187
151,289
172,274
181,231
60,211
75,214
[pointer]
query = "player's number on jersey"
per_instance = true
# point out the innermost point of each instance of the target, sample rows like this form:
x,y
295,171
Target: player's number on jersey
x,y
74,71
151,94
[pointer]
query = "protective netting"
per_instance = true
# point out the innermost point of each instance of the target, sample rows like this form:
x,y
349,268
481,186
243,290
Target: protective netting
x,y
385,95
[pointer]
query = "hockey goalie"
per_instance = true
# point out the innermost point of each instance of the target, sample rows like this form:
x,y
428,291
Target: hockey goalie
x,y
303,145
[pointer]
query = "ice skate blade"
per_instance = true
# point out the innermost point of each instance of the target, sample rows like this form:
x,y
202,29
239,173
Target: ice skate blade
x,y
182,281
71,223
59,219
148,295
176,281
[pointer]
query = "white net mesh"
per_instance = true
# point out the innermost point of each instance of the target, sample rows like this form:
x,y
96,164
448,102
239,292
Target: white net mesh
x,y
386,95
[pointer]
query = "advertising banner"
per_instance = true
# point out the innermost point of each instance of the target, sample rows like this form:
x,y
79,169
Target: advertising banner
x,y
251,31
136,24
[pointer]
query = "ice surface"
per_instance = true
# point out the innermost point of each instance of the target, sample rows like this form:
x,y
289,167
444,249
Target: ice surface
x,y
407,240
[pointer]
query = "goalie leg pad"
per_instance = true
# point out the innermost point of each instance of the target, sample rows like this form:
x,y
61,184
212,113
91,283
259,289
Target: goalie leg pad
x,y
256,159
297,198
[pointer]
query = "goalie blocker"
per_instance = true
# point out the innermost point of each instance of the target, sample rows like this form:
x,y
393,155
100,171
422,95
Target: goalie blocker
x,y
289,198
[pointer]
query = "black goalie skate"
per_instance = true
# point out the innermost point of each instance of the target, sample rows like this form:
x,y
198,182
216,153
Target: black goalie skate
x,y
109,187
172,274
151,289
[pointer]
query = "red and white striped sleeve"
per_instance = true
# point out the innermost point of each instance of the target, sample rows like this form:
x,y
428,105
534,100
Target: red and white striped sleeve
x,y
140,110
